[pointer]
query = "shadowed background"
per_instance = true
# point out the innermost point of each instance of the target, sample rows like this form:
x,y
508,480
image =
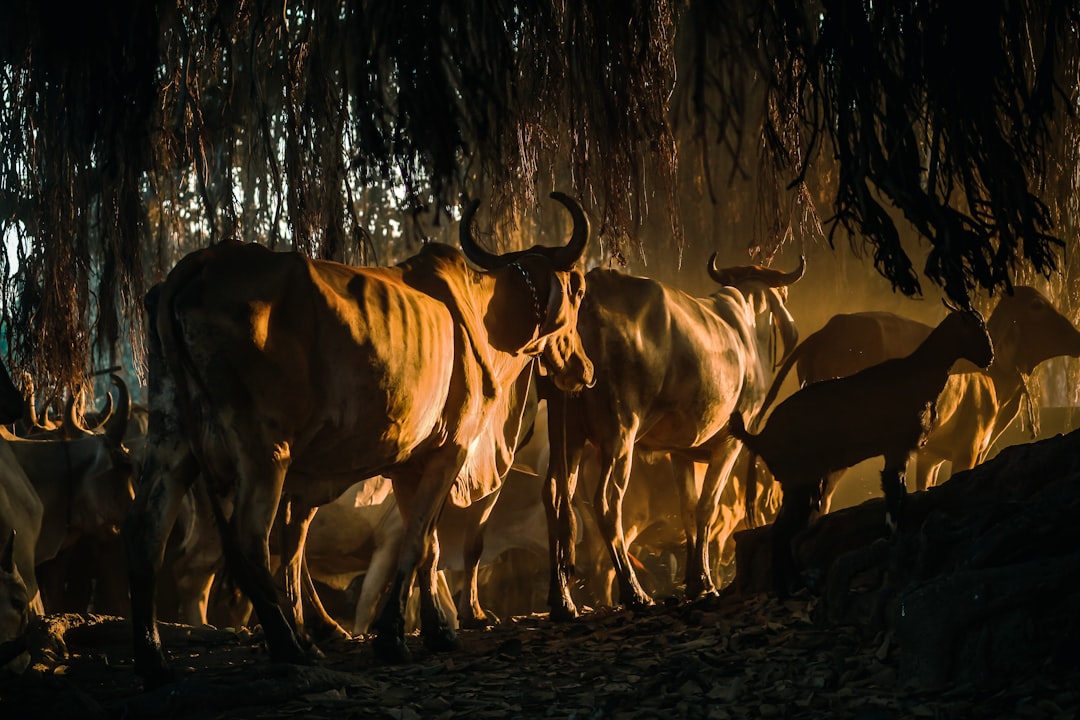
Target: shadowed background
x,y
907,148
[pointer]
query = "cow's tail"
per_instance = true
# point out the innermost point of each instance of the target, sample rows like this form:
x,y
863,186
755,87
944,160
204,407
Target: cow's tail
x,y
178,366
752,455
165,325
738,430
778,380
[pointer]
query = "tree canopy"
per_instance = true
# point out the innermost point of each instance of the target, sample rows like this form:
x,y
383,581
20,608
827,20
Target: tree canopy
x,y
136,130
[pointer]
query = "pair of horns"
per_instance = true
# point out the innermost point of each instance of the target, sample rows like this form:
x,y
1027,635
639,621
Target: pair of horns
x,y
741,273
562,257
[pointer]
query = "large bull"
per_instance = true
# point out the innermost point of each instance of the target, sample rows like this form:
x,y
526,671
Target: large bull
x,y
291,375
670,369
976,406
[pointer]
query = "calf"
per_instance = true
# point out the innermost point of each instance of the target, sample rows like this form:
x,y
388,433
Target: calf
x,y
887,409
975,407
361,533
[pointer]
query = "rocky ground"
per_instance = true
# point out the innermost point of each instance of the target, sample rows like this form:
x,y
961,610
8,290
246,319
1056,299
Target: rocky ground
x,y
973,611
716,658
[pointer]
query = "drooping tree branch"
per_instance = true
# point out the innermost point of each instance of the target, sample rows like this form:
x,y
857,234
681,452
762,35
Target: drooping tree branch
x,y
137,130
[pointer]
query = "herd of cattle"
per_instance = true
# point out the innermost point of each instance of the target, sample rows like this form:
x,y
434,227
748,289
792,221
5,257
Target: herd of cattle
x,y
444,419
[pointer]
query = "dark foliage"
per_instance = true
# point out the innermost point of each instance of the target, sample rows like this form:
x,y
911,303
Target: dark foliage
x,y
136,130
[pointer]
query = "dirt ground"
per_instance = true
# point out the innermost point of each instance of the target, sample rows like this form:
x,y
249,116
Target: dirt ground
x,y
715,658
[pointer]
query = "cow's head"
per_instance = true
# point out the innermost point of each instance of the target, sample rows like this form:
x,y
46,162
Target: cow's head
x,y
764,289
1028,330
105,487
540,292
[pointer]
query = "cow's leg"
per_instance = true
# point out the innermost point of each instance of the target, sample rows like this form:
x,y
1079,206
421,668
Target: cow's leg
x,y
698,567
198,558
609,499
687,490
928,466
799,502
564,464
436,629
169,472
248,556
295,519
470,614
380,570
420,506
829,485
193,586
318,621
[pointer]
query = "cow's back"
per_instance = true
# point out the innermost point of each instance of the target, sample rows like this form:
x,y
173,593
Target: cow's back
x,y
660,354
275,346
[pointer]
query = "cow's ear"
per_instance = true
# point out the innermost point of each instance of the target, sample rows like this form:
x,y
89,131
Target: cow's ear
x,y
577,285
7,555
555,315
783,321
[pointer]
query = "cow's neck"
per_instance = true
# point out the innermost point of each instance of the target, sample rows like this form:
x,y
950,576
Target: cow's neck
x,y
1009,387
512,313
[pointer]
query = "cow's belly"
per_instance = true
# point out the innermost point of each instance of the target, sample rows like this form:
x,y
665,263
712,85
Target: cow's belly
x,y
375,438
678,431
695,403
378,401
689,424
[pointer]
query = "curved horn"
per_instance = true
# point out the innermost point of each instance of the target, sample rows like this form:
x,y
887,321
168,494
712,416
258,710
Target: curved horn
x,y
116,424
30,419
481,257
768,276
73,426
789,278
565,257
716,273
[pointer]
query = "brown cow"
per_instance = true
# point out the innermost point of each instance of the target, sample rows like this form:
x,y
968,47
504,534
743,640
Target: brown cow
x,y
362,535
672,368
299,376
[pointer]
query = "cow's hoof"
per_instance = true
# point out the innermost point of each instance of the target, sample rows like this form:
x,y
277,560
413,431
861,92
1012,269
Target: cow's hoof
x,y
392,650
479,622
442,640
323,632
563,613
699,587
